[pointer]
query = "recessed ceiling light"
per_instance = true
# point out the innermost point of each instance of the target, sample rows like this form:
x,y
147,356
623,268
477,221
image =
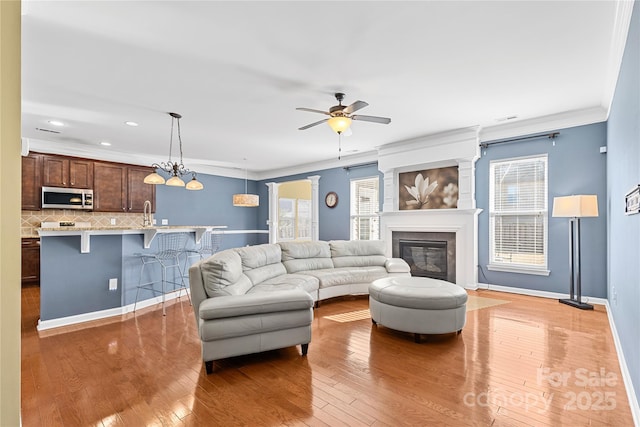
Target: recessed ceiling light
x,y
105,143
56,123
134,124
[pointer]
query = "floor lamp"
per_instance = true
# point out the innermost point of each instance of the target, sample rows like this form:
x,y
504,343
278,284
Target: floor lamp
x,y
575,207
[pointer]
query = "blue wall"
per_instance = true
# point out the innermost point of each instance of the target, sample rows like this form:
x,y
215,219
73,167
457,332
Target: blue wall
x,y
575,166
622,174
334,223
73,283
211,206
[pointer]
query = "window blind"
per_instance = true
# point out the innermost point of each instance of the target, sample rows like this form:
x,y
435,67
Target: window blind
x,y
518,211
364,209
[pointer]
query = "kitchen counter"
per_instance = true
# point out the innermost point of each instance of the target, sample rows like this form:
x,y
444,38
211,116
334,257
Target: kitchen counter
x,y
149,233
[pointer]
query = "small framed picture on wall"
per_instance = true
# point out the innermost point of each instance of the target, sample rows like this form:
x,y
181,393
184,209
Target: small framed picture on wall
x,y
632,201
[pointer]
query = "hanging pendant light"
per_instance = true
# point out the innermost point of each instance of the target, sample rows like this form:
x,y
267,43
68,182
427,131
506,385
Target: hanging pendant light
x,y
246,200
177,170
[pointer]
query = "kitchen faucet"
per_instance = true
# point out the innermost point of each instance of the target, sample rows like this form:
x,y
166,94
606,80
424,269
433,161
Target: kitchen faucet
x,y
146,214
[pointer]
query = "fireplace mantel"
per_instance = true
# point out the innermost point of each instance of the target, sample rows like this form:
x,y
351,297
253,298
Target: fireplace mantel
x,y
456,148
462,222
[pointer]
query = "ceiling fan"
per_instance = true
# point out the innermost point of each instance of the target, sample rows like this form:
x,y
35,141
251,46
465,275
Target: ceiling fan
x,y
340,116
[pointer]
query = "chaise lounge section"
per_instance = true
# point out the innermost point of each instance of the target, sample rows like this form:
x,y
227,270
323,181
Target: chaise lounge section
x,y
258,298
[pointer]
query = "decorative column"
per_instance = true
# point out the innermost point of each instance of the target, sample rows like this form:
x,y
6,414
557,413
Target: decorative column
x,y
315,212
272,220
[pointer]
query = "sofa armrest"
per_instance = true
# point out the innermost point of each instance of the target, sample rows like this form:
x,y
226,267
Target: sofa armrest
x,y
255,303
397,265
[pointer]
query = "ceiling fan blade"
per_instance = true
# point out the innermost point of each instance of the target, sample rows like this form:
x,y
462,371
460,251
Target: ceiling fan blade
x,y
383,120
311,110
312,124
354,107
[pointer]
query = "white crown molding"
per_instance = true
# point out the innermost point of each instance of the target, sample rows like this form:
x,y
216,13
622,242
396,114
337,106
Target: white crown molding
x,y
547,123
624,10
345,161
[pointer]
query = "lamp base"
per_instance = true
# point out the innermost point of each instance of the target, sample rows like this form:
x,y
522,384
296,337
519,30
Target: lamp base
x,y
577,304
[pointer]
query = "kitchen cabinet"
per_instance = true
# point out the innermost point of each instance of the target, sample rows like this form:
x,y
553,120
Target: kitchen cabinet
x,y
58,171
137,191
31,182
120,188
30,260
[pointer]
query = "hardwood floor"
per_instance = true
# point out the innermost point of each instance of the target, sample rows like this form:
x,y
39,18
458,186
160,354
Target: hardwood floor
x,y
531,361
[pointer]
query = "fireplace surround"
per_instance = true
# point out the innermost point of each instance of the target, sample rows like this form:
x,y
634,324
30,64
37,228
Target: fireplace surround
x,y
456,148
429,254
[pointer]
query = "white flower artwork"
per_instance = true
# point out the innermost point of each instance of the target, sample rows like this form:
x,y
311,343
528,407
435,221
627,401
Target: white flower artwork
x,y
429,189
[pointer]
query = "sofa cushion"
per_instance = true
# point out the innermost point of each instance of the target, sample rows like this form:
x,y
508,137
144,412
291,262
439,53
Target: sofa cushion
x,y
261,262
347,275
302,256
357,253
222,275
255,303
254,324
288,281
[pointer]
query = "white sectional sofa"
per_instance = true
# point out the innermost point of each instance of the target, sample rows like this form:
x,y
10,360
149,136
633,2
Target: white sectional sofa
x,y
257,298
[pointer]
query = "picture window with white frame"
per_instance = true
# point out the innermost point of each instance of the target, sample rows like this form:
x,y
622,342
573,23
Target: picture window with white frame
x,y
518,212
365,205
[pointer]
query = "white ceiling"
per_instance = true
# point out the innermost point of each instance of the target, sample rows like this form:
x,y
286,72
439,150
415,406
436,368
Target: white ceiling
x,y
236,71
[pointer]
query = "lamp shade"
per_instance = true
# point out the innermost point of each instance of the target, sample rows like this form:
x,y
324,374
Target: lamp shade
x,y
339,123
175,181
575,206
246,200
154,178
194,184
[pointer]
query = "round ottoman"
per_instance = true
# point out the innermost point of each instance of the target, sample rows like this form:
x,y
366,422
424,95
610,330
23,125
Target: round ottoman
x,y
418,305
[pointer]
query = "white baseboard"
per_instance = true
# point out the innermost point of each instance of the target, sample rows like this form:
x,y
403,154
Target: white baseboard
x,y
534,293
43,325
626,376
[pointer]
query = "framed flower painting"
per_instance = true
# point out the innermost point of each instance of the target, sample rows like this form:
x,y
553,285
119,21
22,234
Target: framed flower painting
x,y
428,189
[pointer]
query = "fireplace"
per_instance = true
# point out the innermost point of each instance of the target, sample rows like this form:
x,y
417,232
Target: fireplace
x,y
428,254
427,258
458,227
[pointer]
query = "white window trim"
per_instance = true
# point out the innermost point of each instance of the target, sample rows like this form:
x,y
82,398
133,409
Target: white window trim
x,y
520,268
353,216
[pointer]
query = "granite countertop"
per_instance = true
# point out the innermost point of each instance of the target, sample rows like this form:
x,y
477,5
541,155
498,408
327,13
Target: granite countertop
x,y
124,228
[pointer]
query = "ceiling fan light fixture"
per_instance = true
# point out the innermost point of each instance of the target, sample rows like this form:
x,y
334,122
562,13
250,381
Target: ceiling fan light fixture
x,y
339,124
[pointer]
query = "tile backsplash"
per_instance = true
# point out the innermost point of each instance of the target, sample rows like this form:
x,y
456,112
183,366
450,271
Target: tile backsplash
x,y
31,219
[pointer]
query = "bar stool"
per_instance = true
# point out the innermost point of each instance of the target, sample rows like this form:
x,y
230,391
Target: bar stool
x,y
209,244
170,247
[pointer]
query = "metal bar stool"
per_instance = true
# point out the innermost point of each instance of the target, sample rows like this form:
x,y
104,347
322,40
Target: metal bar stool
x,y
170,248
209,244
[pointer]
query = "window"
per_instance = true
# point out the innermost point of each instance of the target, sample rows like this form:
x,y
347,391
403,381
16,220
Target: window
x,y
365,223
518,215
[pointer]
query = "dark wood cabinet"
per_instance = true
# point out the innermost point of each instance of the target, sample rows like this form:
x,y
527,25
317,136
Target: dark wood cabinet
x,y
121,188
58,171
30,260
117,187
31,182
109,187
137,191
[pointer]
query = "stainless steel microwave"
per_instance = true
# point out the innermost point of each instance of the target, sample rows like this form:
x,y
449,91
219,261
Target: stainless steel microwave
x,y
67,198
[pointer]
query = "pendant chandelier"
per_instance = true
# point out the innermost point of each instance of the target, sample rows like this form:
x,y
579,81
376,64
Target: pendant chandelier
x,y
175,169
246,200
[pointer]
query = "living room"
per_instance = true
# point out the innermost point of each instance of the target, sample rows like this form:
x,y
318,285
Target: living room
x,y
577,164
